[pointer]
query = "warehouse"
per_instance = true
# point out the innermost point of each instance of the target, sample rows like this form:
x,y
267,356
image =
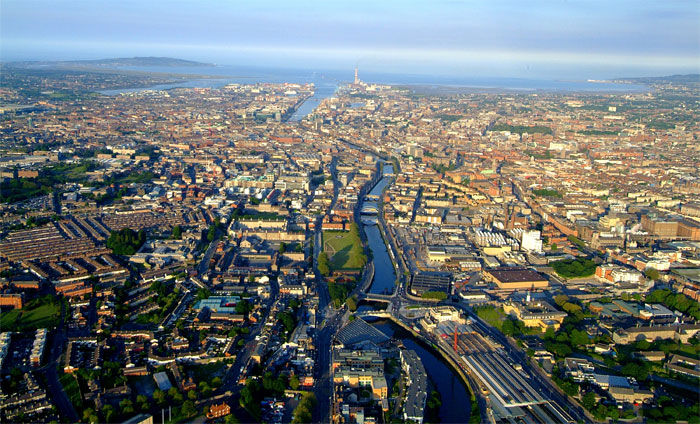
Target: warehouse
x,y
516,278
430,281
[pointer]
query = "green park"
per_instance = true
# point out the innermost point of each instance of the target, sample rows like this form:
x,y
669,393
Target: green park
x,y
344,249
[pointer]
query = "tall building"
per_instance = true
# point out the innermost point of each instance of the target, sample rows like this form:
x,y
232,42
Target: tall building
x,y
357,80
531,241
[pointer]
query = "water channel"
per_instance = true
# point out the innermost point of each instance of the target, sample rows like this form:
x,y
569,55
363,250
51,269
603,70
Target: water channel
x,y
384,275
456,401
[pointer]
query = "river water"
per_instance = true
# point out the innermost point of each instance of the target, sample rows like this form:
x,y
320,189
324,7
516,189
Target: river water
x,y
456,401
325,86
384,275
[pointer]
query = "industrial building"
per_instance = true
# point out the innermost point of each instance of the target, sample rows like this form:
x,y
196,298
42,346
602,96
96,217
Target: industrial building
x,y
430,282
513,278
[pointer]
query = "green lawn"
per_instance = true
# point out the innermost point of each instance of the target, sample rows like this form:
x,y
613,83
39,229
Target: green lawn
x,y
44,314
70,385
344,250
490,314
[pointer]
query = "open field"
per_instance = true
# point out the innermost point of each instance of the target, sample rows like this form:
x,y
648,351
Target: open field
x,y
43,315
343,250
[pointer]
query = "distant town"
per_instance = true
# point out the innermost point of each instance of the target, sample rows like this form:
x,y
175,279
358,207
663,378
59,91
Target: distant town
x,y
395,255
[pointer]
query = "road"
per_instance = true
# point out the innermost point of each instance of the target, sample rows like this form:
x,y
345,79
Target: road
x,y
327,321
55,389
324,385
204,264
233,374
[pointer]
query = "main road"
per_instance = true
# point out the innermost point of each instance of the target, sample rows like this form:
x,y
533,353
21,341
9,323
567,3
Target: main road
x,y
55,388
328,321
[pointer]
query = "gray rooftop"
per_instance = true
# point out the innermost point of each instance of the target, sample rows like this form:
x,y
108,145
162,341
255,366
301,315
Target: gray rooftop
x,y
359,331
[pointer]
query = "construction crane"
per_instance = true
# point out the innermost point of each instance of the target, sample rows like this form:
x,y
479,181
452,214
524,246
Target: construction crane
x,y
454,346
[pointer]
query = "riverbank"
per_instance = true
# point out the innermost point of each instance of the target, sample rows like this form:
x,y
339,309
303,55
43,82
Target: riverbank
x,y
475,410
386,272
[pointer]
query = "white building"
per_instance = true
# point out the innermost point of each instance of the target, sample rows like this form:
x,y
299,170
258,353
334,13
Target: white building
x,y
531,241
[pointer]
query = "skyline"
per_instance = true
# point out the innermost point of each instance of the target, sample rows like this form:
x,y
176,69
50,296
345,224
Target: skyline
x,y
504,39
494,221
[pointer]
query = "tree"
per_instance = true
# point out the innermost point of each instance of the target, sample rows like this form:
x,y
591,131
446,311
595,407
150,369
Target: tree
x,y
352,304
159,397
211,234
294,382
175,394
87,413
600,412
204,389
637,370
554,247
549,333
216,382
142,402
652,274
561,299
250,398
188,408
579,338
126,406
324,264
126,241
560,349
109,413
283,248
243,307
177,233
302,413
573,268
231,419
642,345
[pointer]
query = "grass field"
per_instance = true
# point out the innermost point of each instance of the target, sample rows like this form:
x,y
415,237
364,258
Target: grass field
x,y
42,315
343,250
70,385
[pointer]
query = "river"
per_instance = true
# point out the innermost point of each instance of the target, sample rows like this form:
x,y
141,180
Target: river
x,y
384,275
456,401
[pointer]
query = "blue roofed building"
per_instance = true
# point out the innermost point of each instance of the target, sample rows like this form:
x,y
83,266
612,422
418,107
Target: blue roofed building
x,y
220,304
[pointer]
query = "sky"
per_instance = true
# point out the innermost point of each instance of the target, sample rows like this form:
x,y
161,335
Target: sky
x,y
506,38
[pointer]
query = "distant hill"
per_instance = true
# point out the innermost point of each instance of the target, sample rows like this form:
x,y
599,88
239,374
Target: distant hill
x,y
141,61
674,79
119,62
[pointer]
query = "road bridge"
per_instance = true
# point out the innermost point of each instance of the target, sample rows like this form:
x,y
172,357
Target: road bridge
x,y
384,298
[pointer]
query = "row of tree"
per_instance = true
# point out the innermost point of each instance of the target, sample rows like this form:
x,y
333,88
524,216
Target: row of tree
x,y
304,411
126,241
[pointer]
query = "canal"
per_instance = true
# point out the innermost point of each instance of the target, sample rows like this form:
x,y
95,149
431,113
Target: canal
x,y
384,275
456,401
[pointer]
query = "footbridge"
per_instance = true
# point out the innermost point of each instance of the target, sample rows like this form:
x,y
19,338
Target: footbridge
x,y
373,314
